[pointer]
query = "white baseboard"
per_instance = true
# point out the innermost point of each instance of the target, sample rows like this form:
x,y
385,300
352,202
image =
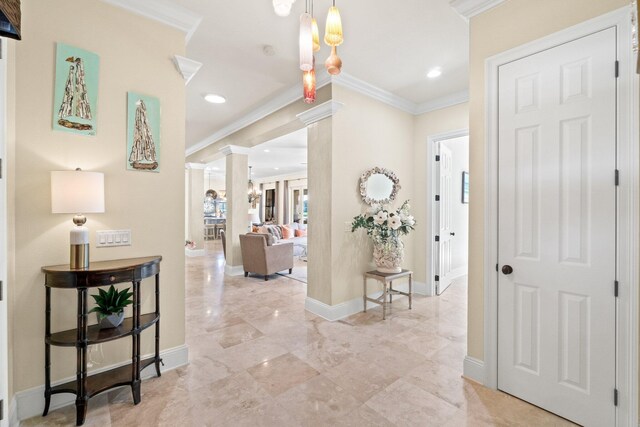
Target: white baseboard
x,y
193,252
13,413
473,369
30,403
234,270
356,305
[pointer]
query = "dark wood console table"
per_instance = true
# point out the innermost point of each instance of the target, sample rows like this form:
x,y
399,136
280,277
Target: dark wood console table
x,y
101,273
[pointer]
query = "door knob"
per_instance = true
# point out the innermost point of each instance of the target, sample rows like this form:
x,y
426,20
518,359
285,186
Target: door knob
x,y
507,269
452,233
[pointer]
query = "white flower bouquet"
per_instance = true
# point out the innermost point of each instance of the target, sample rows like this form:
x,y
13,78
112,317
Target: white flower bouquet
x,y
382,224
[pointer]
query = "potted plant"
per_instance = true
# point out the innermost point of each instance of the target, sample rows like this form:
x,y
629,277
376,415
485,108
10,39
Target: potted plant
x,y
385,228
110,306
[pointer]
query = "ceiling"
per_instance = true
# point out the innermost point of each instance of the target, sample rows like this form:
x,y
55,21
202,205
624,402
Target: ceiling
x,y
286,155
389,44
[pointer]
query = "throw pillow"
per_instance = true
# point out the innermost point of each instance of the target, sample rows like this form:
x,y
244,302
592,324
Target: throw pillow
x,y
263,230
301,233
270,240
287,232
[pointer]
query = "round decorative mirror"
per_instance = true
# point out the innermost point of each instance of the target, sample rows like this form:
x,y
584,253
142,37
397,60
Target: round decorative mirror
x,y
379,186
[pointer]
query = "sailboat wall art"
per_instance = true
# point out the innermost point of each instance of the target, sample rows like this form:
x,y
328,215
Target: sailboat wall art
x,y
143,132
76,90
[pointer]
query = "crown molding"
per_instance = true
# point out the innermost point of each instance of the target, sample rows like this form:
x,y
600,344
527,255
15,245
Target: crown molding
x,y
470,8
234,149
277,102
169,14
322,111
187,67
323,78
367,89
443,102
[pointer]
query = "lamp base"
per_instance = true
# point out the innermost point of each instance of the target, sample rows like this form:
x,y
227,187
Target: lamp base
x,y
79,258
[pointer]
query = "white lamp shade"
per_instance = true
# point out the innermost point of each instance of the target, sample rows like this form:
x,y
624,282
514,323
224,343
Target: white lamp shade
x,y
282,7
306,42
254,218
77,192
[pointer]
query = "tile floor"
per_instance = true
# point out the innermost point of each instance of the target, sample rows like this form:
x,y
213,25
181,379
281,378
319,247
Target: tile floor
x,y
259,359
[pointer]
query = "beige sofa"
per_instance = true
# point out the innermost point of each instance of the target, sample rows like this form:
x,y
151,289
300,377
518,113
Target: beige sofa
x,y
260,257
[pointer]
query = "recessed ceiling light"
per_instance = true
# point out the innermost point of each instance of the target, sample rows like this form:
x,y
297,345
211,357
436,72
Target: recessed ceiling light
x,y
215,99
266,151
434,72
277,169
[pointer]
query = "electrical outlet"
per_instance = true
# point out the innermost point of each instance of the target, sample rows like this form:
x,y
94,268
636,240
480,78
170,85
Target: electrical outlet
x,y
110,238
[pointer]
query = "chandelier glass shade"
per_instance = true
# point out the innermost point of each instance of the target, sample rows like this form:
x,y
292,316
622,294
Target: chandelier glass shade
x,y
333,30
306,42
333,64
315,35
309,84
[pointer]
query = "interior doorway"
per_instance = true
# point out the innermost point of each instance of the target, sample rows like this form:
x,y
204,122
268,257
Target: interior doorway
x,y
450,210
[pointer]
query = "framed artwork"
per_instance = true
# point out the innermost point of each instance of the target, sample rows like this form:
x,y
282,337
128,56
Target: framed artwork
x,y
465,187
76,90
143,132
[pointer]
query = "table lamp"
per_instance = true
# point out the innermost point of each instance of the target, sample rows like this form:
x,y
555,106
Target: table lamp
x,y
254,218
77,192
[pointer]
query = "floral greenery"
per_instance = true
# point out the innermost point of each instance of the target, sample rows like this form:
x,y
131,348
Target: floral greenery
x,y
111,301
383,225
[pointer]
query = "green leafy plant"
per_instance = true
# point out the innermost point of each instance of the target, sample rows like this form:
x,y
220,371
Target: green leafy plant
x,y
111,301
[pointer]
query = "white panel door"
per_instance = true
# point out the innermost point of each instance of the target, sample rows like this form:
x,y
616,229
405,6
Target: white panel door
x,y
444,219
557,229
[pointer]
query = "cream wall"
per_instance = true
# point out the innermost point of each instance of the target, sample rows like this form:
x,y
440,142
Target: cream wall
x,y
9,171
425,125
511,24
135,54
366,133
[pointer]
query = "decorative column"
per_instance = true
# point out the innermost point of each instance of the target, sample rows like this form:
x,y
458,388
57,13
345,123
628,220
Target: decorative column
x,y
195,208
319,124
237,179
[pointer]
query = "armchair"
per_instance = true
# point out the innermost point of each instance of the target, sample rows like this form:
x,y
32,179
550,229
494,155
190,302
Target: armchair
x,y
261,258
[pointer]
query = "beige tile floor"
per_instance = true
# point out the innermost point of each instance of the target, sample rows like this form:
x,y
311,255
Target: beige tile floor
x,y
257,358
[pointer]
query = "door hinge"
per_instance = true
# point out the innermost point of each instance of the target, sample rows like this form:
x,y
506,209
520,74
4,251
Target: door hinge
x,y
617,69
615,397
1,291
437,238
437,157
617,177
616,288
437,197
437,278
496,267
1,409
0,168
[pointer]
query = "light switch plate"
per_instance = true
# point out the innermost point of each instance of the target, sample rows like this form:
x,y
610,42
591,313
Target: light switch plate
x,y
111,238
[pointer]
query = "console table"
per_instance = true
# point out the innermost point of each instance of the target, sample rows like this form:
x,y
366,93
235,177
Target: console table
x,y
387,282
101,273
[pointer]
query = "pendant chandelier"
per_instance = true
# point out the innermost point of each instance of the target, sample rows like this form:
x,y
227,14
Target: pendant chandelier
x,y
309,43
254,195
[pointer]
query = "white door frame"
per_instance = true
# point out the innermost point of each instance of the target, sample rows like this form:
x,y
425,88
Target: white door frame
x,y
4,349
432,190
628,153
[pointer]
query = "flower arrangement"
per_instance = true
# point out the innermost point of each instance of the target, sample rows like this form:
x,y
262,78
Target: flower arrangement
x,y
381,224
385,228
190,244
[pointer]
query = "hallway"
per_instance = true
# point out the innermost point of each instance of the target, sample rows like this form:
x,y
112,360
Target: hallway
x,y
259,359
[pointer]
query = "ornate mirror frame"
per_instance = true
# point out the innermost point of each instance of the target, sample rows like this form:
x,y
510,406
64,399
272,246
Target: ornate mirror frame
x,y
363,186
